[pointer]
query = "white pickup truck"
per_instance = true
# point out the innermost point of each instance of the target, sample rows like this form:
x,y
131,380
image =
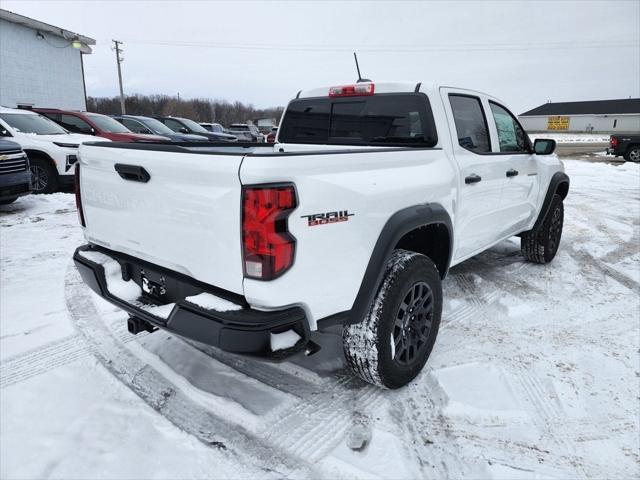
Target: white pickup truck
x,y
370,194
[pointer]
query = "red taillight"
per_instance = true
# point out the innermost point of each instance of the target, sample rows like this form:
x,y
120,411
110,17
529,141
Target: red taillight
x,y
76,181
613,142
359,89
268,249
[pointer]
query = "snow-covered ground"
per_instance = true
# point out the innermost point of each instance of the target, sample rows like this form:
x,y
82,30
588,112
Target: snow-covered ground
x,y
534,375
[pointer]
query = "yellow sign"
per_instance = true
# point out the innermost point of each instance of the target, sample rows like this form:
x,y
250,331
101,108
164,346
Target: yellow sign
x,y
557,123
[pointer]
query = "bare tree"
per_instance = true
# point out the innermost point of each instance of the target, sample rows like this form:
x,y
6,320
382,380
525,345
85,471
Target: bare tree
x,y
198,109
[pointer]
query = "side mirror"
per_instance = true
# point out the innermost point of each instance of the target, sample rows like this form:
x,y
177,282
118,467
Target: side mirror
x,y
184,130
92,131
4,133
544,146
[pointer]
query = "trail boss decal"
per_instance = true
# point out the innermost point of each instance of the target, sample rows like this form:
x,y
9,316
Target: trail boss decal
x,y
329,217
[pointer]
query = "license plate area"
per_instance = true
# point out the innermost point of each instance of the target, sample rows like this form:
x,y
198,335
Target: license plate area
x,y
157,286
154,286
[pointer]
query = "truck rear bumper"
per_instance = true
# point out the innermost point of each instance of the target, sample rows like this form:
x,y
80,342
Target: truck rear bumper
x,y
245,330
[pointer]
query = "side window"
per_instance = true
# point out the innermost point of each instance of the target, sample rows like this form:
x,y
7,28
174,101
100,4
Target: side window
x,y
511,136
132,125
74,124
172,124
471,124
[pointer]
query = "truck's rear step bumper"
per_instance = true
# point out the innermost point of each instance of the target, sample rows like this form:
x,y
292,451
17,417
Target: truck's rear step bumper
x,y
246,331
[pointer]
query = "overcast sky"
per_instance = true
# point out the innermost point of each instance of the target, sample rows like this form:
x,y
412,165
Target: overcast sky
x,y
523,52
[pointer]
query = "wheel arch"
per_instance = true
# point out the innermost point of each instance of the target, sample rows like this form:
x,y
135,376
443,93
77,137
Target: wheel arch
x,y
425,229
559,184
33,153
631,146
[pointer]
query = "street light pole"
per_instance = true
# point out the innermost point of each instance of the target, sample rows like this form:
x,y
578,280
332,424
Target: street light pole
x,y
119,61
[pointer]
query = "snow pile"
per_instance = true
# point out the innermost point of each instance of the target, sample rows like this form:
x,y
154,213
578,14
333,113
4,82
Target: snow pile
x,y
284,340
161,311
212,302
129,291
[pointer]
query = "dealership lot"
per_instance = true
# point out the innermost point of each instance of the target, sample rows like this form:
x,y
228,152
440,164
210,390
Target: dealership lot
x,y
535,371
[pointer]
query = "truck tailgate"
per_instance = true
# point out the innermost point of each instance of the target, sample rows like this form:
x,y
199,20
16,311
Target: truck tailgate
x,y
186,217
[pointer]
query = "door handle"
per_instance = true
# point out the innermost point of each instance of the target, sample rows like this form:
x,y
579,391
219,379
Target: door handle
x,y
134,173
473,178
512,173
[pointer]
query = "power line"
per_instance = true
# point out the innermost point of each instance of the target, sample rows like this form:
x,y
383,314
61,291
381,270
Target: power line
x,y
569,45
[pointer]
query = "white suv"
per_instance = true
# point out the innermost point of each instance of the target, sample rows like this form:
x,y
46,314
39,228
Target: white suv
x,y
51,149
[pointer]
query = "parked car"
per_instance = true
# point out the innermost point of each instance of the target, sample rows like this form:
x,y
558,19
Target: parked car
x,y
151,126
627,146
185,125
271,138
51,149
373,192
213,127
15,176
96,124
249,132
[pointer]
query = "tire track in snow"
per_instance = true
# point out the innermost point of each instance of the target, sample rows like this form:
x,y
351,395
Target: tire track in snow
x,y
304,433
164,397
25,365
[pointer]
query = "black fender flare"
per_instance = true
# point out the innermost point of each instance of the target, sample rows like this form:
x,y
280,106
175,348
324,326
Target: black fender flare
x,y
398,225
559,180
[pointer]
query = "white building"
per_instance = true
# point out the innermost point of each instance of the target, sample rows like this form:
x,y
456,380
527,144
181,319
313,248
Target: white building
x,y
41,64
599,116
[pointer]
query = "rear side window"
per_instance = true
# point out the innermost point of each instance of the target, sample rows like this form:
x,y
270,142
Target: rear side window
x,y
471,124
392,119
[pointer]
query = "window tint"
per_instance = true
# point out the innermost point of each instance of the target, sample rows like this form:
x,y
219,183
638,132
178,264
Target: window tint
x,y
107,124
471,125
134,126
383,119
32,123
172,124
74,124
511,136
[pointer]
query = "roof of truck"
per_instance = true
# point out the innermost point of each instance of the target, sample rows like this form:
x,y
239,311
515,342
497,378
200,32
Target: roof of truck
x,y
380,87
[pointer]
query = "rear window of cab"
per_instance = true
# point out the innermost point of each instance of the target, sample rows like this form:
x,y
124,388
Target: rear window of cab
x,y
389,119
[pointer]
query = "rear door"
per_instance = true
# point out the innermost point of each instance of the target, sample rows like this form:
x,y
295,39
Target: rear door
x,y
481,172
186,217
520,192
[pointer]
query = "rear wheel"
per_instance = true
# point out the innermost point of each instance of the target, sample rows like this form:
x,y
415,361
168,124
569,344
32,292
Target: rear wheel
x,y
44,178
633,154
391,345
541,245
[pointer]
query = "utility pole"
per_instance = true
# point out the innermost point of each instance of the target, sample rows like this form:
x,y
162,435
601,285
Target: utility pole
x,y
119,60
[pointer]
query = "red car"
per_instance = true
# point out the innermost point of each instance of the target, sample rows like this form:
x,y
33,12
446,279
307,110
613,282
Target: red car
x,y
271,138
96,124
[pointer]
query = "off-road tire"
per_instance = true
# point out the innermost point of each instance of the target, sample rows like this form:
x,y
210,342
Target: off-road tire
x,y
541,245
632,154
369,345
44,177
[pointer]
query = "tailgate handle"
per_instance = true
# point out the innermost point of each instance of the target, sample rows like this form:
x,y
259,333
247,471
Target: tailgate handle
x,y
135,173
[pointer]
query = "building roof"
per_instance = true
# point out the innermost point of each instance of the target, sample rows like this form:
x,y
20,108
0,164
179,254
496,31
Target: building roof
x,y
47,28
593,107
